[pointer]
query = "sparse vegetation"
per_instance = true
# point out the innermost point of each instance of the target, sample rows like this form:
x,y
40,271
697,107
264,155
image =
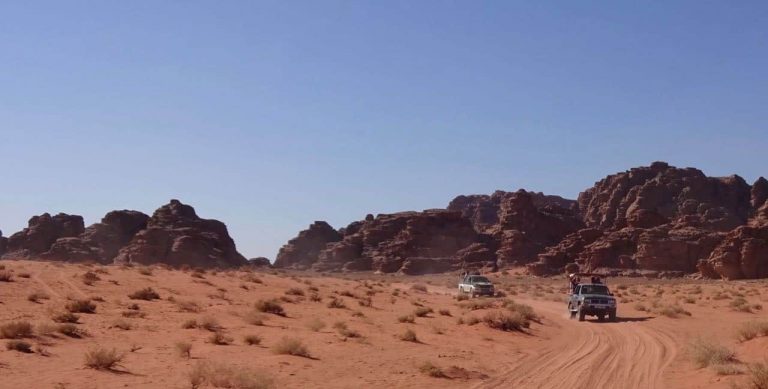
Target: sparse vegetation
x,y
188,306
72,331
81,306
419,288
758,375
252,340
35,297
512,321
6,276
705,353
751,330
103,359
255,317
291,346
315,324
16,330
270,306
409,336
147,293
18,345
219,338
444,312
209,323
184,349
295,292
431,370
422,311
336,303
406,319
189,324
227,376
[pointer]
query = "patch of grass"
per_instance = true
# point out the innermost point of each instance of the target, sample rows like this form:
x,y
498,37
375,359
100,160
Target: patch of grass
x,y
672,311
409,336
103,359
252,340
18,345
728,369
291,346
184,349
81,306
758,375
219,375
315,325
525,311
706,353
751,330
513,321
147,293
16,330
270,306
35,297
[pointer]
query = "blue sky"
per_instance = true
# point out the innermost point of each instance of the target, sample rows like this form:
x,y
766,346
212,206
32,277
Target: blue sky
x,y
269,115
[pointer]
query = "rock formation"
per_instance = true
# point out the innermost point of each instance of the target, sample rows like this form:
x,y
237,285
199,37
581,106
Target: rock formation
x,y
743,252
259,262
41,233
3,243
303,250
176,236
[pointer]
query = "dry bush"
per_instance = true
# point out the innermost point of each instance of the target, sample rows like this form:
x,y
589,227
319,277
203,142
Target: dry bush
x,y
18,345
134,314
270,306
209,323
35,297
444,312
295,292
728,369
526,311
640,307
147,293
16,330
145,270
409,336
103,359
81,306
184,349
431,370
23,275
336,303
121,324
189,324
255,317
365,302
751,330
291,346
315,324
476,304
6,276
89,278
419,288
72,331
315,297
188,306
227,376
219,338
65,317
406,319
46,329
252,340
252,278
705,353
672,311
422,311
504,321
758,375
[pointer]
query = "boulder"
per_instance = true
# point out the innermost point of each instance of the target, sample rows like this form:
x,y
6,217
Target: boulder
x,y
41,233
176,236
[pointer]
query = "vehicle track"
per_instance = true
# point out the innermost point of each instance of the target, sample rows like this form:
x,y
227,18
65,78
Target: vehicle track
x,y
627,354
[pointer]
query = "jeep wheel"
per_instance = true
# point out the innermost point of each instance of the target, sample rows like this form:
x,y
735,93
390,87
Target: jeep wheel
x,y
612,315
601,317
582,314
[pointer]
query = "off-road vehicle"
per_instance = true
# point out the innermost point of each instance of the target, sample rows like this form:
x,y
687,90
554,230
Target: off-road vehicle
x,y
475,285
593,300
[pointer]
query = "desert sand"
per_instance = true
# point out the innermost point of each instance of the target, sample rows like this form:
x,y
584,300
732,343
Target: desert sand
x,y
359,342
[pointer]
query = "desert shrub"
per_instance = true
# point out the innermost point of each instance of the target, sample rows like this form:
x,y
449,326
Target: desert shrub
x,y
727,369
252,340
6,276
315,297
347,293
65,317
184,349
252,278
409,336
81,306
291,346
672,311
431,370
219,338
188,306
121,324
16,330
270,306
147,293
295,292
705,353
476,304
689,300
640,307
133,314
752,329
145,270
46,329
422,311
525,311
406,319
254,317
336,303
18,345
504,321
72,331
315,324
758,375
189,324
471,320
89,278
35,297
365,302
419,288
209,323
444,312
227,376
103,359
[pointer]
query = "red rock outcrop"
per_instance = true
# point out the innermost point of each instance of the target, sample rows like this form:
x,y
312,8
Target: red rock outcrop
x,y
302,251
176,236
100,242
259,262
3,243
41,233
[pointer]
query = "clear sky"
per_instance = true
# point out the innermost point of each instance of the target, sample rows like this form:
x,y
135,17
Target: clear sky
x,y
270,115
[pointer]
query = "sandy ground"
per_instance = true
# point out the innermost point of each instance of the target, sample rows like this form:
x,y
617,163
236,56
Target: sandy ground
x,y
641,350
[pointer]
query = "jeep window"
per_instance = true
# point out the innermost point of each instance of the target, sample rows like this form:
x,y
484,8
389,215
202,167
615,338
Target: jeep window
x,y
476,280
594,289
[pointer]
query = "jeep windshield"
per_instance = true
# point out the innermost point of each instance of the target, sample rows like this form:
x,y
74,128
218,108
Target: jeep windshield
x,y
594,289
477,280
